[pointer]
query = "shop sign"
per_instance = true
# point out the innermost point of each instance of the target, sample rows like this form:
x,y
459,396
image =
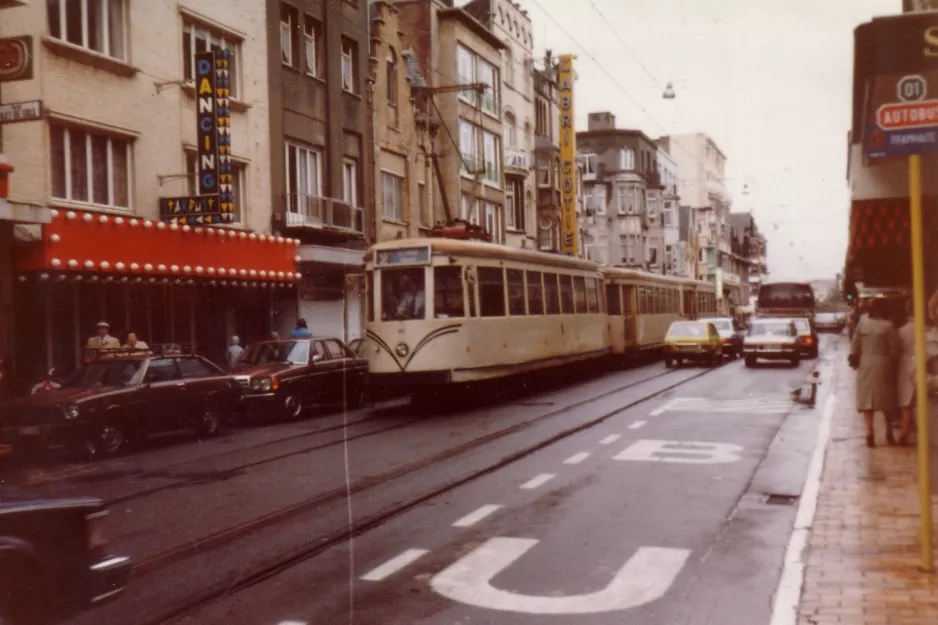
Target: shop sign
x,y
12,112
194,209
16,58
568,220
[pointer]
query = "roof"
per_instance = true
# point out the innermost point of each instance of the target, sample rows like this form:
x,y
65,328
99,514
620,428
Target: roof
x,y
625,132
485,250
458,14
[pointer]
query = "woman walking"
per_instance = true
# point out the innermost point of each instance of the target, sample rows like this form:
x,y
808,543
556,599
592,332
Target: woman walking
x,y
874,352
906,376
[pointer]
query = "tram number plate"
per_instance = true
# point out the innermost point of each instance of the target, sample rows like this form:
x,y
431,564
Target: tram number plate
x,y
32,430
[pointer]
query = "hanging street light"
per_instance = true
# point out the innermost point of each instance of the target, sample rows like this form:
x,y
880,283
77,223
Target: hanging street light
x,y
668,92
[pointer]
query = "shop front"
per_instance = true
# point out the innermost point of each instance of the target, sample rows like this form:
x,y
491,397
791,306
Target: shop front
x,y
167,283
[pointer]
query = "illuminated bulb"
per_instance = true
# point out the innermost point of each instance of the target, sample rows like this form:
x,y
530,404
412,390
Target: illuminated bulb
x,y
253,273
54,213
222,271
174,268
147,224
133,223
243,273
119,221
105,265
160,225
55,238
43,276
210,271
56,262
148,267
89,264
174,226
103,219
199,269
87,217
262,273
134,266
253,237
162,267
70,215
72,263
187,269
119,266
186,228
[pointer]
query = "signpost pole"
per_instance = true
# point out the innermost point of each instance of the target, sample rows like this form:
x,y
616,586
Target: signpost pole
x,y
921,385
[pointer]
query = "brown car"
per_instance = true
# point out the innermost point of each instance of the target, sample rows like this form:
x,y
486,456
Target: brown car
x,y
289,375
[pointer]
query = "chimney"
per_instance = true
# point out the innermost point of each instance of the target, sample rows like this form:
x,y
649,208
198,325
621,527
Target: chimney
x,y
602,121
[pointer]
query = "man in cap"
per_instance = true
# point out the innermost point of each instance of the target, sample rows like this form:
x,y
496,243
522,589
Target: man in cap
x,y
103,339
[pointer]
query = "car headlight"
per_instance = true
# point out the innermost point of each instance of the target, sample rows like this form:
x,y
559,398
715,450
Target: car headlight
x,y
71,411
265,384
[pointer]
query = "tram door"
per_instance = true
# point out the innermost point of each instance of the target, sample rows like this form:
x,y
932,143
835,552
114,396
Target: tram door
x,y
629,309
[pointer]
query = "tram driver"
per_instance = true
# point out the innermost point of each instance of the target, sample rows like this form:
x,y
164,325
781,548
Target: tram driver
x,y
407,299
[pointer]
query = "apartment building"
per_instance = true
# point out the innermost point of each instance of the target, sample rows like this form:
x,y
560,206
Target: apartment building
x,y
621,167
749,247
146,199
547,153
511,23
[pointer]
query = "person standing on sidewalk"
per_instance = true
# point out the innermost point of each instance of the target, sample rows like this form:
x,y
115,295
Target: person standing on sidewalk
x,y
906,375
873,353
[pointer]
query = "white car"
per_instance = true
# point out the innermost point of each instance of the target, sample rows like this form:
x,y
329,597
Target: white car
x,y
771,339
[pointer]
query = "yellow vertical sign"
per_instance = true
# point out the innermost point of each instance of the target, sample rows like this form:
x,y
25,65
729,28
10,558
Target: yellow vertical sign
x,y
568,221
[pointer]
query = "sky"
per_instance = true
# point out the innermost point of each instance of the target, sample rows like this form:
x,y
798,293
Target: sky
x,y
768,80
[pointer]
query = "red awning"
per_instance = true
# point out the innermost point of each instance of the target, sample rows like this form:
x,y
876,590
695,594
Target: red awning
x,y
81,242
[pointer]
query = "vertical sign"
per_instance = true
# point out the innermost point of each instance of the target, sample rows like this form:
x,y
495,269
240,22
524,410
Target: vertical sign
x,y
568,220
223,119
207,158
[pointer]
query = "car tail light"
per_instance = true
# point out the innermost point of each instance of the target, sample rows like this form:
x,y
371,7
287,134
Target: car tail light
x,y
97,532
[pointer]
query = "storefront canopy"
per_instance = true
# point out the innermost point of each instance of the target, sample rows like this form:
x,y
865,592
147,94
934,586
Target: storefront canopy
x,y
80,242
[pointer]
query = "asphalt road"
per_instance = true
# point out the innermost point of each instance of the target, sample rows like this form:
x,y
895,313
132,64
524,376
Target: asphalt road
x,y
628,496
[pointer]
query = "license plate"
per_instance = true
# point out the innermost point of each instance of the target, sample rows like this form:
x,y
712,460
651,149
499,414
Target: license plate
x,y
32,430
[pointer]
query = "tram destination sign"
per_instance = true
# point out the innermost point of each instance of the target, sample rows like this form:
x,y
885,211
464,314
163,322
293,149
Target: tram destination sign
x,y
403,256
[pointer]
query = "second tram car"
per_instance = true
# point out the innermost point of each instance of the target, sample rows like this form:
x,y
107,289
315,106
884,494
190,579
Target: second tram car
x,y
443,311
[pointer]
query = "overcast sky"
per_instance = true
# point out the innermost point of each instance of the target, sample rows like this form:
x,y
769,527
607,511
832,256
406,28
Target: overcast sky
x,y
770,81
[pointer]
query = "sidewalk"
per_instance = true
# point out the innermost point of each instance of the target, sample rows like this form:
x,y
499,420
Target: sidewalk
x,y
863,555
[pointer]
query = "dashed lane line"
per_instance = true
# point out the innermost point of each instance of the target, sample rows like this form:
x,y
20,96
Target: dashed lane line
x,y
477,515
577,458
637,425
394,565
540,480
609,440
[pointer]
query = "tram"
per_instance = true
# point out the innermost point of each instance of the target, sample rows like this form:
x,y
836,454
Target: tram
x,y
442,311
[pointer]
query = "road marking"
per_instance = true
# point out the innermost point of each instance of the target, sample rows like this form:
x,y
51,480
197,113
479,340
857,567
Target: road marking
x,y
540,480
577,458
474,517
637,425
688,452
661,409
394,565
788,593
645,577
292,623
609,440
754,404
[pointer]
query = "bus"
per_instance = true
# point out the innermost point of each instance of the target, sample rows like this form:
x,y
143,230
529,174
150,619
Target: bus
x,y
789,299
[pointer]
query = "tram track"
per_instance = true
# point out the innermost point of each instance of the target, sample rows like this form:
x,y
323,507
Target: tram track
x,y
312,548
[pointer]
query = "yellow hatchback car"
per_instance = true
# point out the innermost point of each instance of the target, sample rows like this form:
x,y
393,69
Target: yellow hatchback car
x,y
696,341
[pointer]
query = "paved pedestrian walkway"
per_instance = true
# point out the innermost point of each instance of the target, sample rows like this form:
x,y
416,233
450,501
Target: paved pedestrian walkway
x,y
863,558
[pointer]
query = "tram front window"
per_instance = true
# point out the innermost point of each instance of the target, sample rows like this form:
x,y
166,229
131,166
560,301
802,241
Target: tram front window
x,y
403,294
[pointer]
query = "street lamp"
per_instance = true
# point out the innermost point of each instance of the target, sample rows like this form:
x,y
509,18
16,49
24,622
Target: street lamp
x,y
668,92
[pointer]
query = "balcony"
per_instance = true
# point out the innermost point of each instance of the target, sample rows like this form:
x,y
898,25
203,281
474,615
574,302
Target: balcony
x,y
322,213
518,160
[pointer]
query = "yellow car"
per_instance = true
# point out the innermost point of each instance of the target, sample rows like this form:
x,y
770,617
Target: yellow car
x,y
696,341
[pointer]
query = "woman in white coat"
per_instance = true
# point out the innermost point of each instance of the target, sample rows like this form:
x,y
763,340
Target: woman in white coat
x,y
874,352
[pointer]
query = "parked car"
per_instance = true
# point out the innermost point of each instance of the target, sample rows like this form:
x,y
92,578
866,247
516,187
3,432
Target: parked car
x,y
807,337
55,561
359,346
290,375
695,341
771,339
830,322
731,335
122,395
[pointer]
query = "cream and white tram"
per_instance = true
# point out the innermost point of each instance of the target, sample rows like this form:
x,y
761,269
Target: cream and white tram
x,y
641,307
447,310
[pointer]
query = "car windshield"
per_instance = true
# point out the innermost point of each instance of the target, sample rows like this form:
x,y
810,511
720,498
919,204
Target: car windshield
x,y
105,374
802,325
722,325
292,352
826,317
688,329
770,328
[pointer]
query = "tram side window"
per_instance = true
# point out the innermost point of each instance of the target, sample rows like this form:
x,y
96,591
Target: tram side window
x,y
516,292
566,294
592,296
613,303
448,292
535,293
551,294
370,295
579,294
627,292
403,294
491,291
641,300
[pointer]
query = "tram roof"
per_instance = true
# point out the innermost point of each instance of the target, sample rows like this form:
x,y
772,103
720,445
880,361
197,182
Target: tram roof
x,y
622,273
482,249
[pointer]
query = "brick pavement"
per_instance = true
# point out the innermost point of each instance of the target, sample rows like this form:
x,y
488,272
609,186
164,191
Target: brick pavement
x,y
862,563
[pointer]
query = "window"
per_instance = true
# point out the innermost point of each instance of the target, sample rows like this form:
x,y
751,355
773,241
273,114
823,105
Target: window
x,y
195,368
667,217
448,292
469,147
515,204
391,78
370,294
516,292
239,184
652,252
488,75
551,294
465,66
652,206
97,25
350,181
423,206
472,69
579,294
392,197
592,295
493,221
566,294
509,68
543,172
535,293
304,173
349,65
491,291
161,370
511,130
312,41
599,195
626,158
289,45
492,162
624,205
402,294
88,166
197,38
469,209
613,304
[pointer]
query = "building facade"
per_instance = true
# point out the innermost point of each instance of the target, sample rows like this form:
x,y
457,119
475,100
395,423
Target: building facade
x,y
322,152
621,168
510,23
672,254
117,132
547,153
750,246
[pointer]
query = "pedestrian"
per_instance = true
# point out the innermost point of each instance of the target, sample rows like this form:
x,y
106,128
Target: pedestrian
x,y
301,331
134,343
103,338
906,374
234,351
873,353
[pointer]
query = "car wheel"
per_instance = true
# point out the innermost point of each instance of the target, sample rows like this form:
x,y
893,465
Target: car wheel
x,y
292,407
668,363
208,421
750,362
108,439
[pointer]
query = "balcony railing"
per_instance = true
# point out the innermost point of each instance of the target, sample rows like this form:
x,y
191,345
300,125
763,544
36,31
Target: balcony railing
x,y
516,158
322,212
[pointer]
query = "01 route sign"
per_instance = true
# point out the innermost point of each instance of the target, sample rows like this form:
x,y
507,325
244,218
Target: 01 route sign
x,y
905,123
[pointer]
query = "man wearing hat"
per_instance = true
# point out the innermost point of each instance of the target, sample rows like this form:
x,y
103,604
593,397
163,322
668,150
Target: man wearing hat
x,y
103,340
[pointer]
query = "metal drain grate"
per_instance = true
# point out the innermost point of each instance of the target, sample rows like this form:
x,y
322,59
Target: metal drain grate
x,y
780,500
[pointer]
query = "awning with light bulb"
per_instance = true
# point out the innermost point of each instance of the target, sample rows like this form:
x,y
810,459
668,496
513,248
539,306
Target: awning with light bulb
x,y
130,249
